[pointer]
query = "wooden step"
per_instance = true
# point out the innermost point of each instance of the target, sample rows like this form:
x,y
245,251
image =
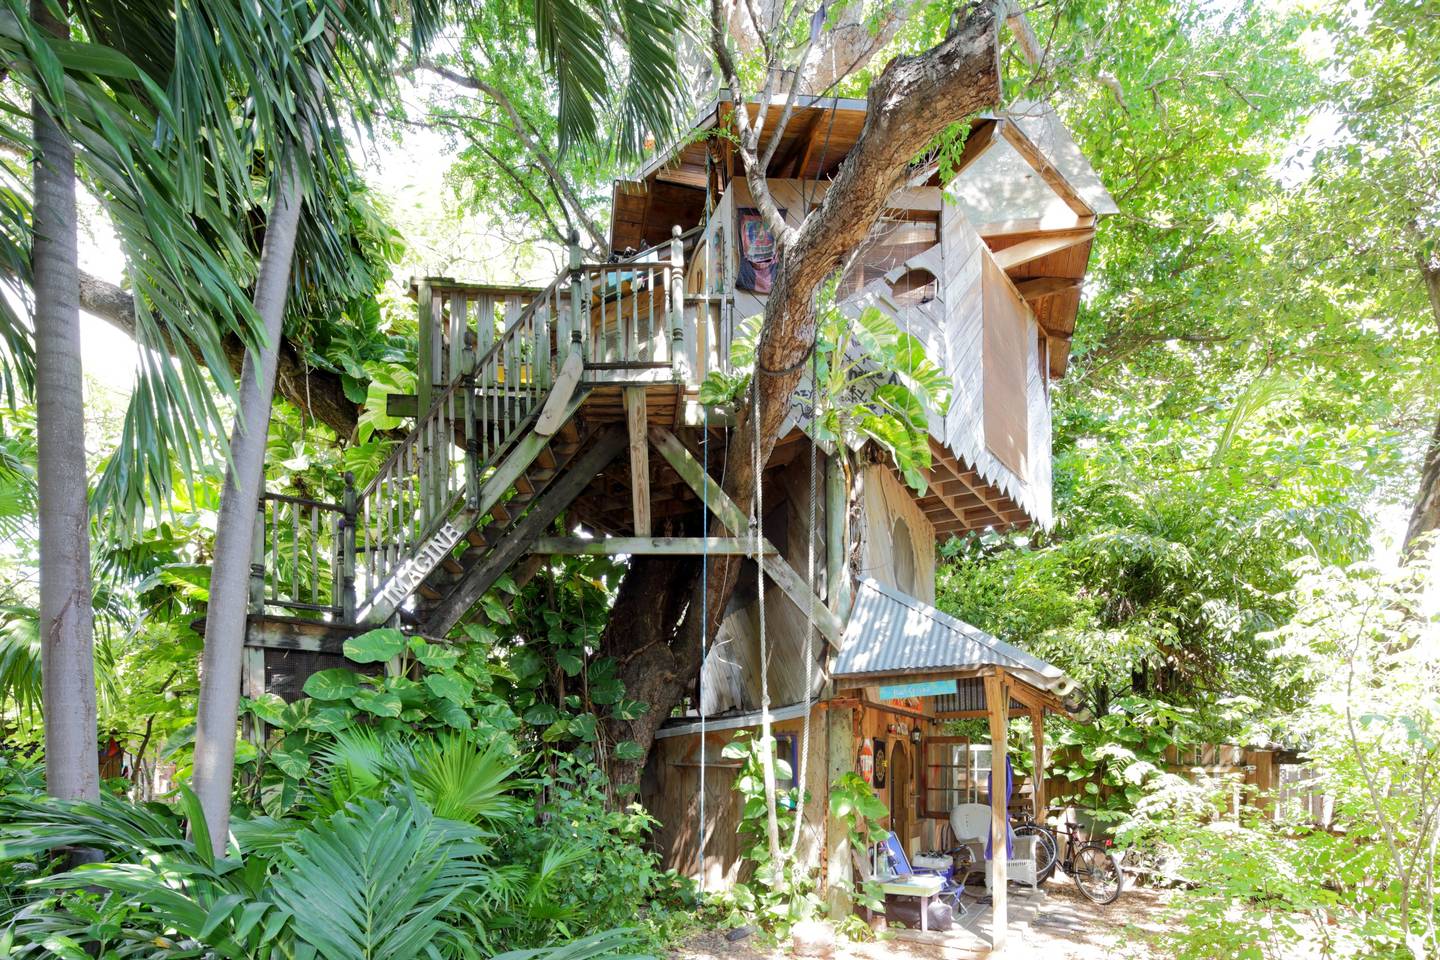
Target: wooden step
x,y
451,565
429,592
523,486
546,459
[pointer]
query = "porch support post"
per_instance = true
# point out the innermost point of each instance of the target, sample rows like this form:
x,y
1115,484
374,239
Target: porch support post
x,y
839,759
1037,730
997,703
837,549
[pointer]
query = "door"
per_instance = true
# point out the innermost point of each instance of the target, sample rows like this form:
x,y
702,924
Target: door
x,y
902,793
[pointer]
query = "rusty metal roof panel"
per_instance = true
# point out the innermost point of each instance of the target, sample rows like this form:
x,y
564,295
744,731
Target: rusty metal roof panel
x,y
891,633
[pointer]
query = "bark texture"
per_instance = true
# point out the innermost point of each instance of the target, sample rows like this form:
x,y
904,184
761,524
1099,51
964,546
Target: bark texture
x,y
655,636
72,765
1425,514
320,394
912,101
218,710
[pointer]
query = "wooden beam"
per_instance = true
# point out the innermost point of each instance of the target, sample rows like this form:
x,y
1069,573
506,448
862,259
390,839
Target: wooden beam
x,y
559,495
1037,734
1027,251
980,140
1037,287
639,459
1027,228
726,511
997,700
1046,170
636,546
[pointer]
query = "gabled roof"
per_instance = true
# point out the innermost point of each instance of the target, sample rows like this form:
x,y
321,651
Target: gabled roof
x,y
892,634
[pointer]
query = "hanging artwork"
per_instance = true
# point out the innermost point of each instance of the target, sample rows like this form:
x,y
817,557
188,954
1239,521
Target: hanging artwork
x,y
757,252
865,763
880,763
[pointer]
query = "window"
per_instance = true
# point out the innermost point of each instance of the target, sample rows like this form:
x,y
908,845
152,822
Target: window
x,y
955,771
903,556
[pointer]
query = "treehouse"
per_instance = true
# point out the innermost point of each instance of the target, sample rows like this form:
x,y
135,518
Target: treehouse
x,y
579,404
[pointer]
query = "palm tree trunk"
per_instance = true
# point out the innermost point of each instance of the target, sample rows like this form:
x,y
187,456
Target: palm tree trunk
x,y
217,713
72,765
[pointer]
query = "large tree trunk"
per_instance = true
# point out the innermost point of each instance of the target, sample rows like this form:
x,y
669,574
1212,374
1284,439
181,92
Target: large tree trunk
x,y
912,101
217,713
656,640
1425,515
72,766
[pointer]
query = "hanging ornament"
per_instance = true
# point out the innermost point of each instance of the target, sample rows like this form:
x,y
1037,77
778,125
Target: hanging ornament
x,y
880,763
865,763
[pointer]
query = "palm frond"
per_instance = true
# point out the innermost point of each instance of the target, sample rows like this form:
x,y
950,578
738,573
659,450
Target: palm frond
x,y
377,882
460,781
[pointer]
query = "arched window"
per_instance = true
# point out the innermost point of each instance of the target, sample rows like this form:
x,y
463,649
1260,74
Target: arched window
x,y
914,287
903,553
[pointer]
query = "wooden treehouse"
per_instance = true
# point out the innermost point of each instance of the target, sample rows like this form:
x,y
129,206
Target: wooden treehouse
x,y
579,401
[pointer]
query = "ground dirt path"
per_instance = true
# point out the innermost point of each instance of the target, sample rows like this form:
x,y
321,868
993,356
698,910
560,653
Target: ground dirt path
x,y
1068,928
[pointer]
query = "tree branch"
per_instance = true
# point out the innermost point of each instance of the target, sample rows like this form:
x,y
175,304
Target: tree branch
x,y
522,133
320,394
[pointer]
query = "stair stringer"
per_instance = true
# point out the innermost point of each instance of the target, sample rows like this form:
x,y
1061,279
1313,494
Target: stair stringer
x,y
408,576
516,542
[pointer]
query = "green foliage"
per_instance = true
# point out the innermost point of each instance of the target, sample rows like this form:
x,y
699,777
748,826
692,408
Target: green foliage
x,y
853,803
776,895
1370,644
875,381
1110,760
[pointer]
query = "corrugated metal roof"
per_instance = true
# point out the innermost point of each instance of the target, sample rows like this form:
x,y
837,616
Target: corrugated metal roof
x,y
892,633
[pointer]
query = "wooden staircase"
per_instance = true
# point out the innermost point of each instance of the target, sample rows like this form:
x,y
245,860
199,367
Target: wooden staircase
x,y
496,453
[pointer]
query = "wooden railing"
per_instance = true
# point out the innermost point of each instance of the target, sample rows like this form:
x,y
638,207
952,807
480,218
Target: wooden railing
x,y
492,355
299,545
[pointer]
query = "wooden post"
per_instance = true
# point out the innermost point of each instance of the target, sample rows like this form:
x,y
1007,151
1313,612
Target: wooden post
x,y
252,685
427,356
347,551
839,759
679,365
1037,730
579,299
837,547
639,459
257,560
997,705
472,437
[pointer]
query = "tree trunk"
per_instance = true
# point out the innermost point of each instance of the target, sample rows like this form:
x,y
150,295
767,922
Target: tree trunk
x,y
72,764
1425,515
911,103
654,634
217,713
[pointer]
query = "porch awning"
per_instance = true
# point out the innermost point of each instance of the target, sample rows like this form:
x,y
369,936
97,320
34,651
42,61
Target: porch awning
x,y
892,634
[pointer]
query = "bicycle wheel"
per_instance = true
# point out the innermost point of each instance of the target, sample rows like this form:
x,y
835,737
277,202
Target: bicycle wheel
x,y
1047,851
1097,874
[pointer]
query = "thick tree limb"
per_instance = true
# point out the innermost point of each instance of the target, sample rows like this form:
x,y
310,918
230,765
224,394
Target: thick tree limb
x,y
912,101
1425,514
319,394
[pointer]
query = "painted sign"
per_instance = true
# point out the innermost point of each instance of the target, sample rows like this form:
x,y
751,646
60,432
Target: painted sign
x,y
920,688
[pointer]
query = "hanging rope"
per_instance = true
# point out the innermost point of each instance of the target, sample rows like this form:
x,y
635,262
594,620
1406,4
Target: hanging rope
x,y
801,771
705,550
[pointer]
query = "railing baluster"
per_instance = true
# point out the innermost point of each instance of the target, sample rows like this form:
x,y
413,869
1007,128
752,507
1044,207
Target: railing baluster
x,y
315,555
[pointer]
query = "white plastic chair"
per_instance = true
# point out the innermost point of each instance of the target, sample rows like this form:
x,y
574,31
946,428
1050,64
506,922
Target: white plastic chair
x,y
971,824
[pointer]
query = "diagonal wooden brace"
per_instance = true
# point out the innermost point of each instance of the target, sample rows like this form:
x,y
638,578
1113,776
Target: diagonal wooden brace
x,y
728,513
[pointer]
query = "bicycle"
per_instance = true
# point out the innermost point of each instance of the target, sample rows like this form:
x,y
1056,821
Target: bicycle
x,y
1047,851
1092,864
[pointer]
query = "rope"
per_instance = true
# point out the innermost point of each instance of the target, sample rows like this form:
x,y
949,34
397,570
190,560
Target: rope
x,y
705,551
803,768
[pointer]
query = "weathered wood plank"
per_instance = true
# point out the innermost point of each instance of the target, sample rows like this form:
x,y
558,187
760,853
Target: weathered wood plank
x,y
639,459
1029,250
635,546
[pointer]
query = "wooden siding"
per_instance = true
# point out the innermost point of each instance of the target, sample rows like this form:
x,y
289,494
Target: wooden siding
x,y
965,256
886,500
731,674
670,790
1003,368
